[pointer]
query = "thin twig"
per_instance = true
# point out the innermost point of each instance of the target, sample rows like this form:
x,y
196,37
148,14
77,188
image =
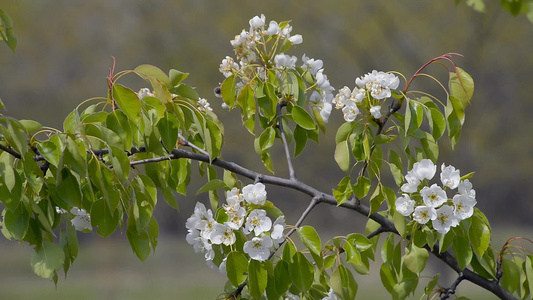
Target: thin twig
x,y
451,290
304,215
279,106
10,151
185,142
376,232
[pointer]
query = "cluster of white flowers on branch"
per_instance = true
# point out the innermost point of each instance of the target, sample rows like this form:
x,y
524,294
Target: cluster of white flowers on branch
x,y
261,53
242,213
371,89
434,204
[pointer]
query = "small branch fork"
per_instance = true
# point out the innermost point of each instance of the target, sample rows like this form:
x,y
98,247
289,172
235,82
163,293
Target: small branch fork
x,y
451,290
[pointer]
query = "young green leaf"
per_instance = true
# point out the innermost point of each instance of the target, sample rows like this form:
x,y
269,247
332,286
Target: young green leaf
x,y
236,268
302,118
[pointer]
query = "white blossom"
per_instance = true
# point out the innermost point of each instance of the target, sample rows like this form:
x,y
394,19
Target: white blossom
x,y
464,206
273,28
404,205
312,65
236,219
412,183
258,248
277,230
450,176
203,105
445,219
82,219
465,188
350,112
325,112
375,111
285,61
424,169
200,245
206,225
199,214
433,196
296,39
145,92
227,66
255,193
378,84
222,234
257,22
424,214
258,222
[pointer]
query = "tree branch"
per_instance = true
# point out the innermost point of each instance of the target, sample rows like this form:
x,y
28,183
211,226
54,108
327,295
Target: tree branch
x,y
10,151
279,106
451,290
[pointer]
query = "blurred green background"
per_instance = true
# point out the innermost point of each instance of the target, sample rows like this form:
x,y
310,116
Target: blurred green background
x,y
65,51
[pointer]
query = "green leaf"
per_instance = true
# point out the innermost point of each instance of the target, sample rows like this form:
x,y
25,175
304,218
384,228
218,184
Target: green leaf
x,y
414,115
236,268
479,235
301,271
362,187
416,259
146,71
342,156
396,167
187,92
128,101
139,241
212,185
461,86
176,77
300,140
343,191
282,277
311,240
257,278
169,130
302,118
228,91
266,139
463,252
17,222
431,284
343,283
101,217
388,278
344,132
528,267
31,126
6,31
47,260
118,122
68,188
376,199
511,275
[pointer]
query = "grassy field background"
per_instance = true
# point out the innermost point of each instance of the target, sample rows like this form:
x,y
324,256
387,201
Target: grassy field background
x,y
108,269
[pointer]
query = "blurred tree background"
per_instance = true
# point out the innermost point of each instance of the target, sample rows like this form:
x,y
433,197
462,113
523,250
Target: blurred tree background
x,y
66,48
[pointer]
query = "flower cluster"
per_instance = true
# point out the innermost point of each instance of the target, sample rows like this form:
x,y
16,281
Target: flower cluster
x,y
242,212
374,86
431,203
255,61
